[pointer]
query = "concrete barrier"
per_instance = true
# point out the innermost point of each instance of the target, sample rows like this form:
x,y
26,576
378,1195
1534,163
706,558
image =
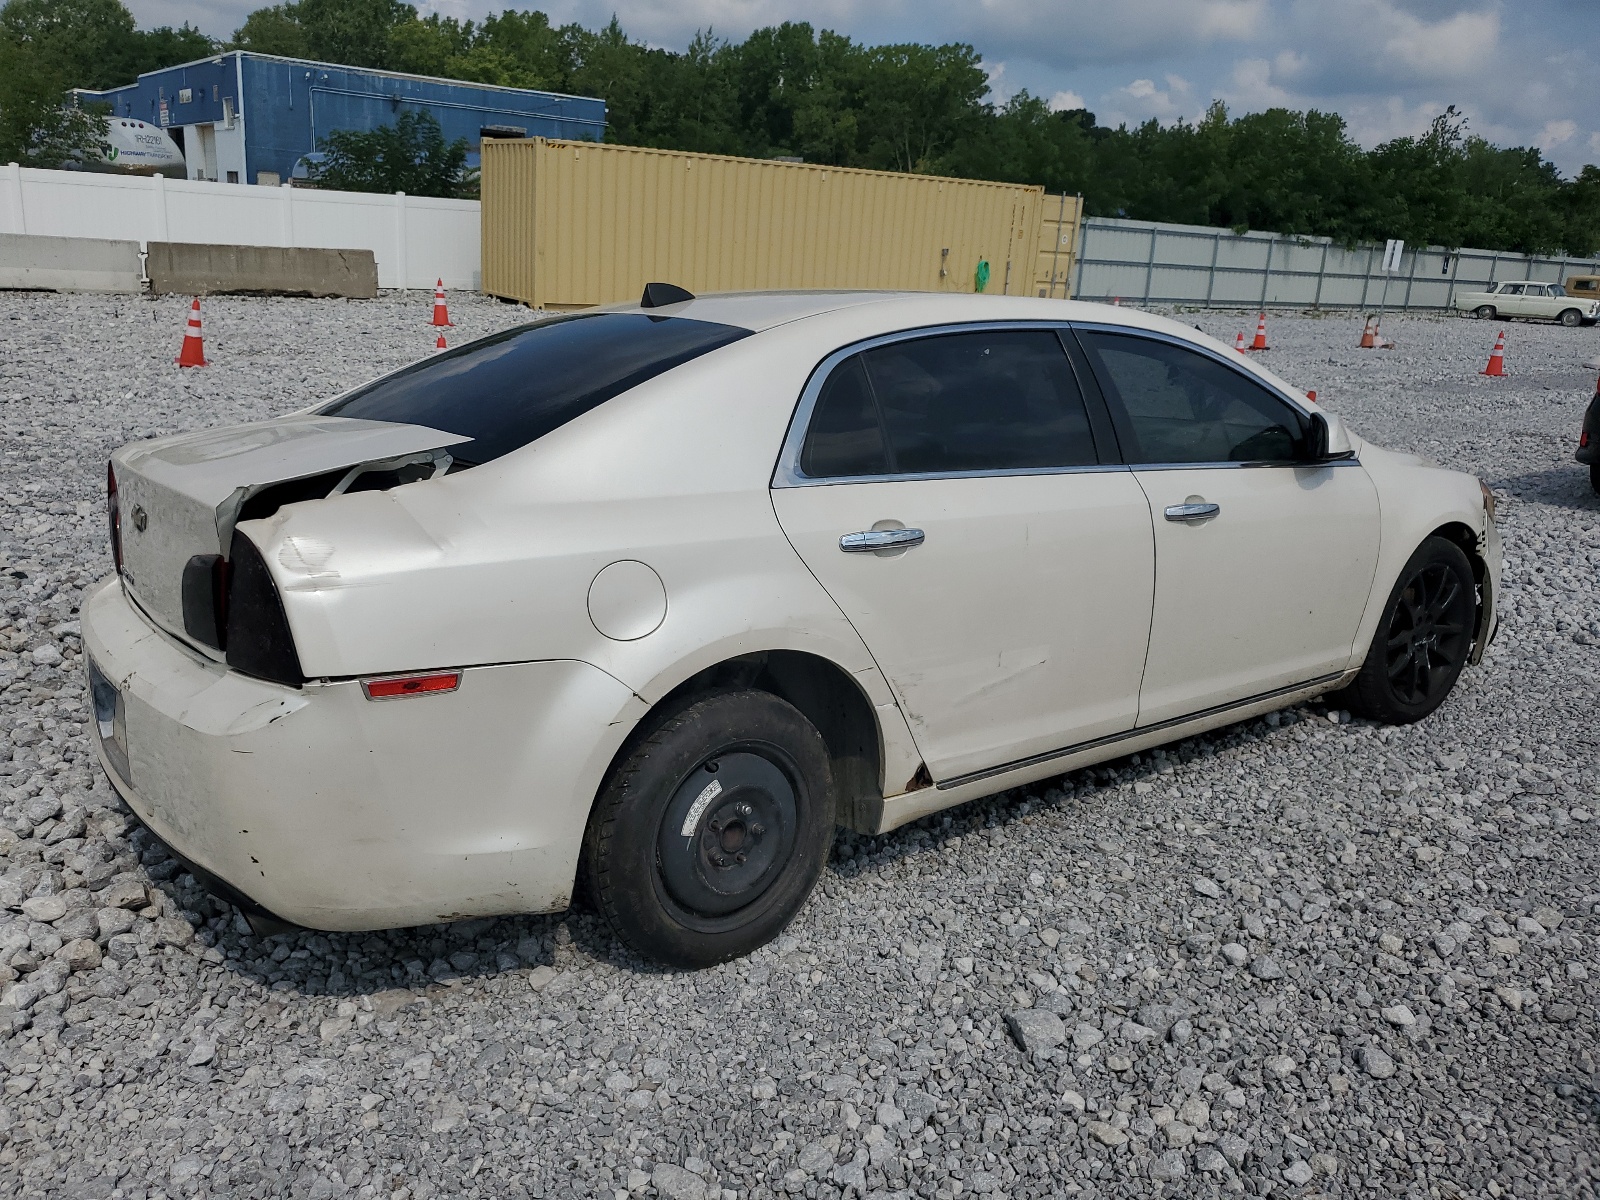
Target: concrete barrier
x,y
192,268
68,264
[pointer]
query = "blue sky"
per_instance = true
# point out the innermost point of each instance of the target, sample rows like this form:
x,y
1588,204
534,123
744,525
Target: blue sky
x,y
1525,73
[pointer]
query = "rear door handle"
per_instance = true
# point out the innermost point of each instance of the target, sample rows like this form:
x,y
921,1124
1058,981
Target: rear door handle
x,y
880,539
1191,512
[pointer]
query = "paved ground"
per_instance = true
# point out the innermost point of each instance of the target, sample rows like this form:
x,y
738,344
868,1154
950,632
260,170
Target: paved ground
x,y
1299,957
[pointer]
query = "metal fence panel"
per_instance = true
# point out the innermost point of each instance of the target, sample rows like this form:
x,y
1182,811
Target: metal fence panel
x,y
1143,262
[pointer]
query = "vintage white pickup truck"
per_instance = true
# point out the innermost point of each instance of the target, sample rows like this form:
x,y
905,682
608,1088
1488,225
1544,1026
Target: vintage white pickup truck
x,y
1531,299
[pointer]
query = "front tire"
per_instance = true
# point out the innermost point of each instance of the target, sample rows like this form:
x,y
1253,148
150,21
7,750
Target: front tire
x,y
1484,312
1423,640
711,833
1571,318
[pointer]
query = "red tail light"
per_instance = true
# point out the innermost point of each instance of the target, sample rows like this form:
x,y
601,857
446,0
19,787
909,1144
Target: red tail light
x,y
114,515
1583,440
398,687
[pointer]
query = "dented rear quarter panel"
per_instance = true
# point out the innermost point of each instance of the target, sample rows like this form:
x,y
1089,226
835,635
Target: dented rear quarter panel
x,y
336,812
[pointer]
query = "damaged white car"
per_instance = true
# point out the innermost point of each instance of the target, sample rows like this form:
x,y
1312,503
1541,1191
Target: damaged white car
x,y
670,591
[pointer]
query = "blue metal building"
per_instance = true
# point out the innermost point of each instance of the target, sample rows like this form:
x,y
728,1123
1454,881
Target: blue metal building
x,y
248,118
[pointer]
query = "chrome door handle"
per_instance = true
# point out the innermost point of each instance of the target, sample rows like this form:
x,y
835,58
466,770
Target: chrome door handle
x,y
1191,512
880,539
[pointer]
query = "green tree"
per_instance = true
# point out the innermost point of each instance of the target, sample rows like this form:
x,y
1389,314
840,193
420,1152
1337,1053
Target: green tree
x,y
356,32
274,30
93,43
409,156
790,89
36,128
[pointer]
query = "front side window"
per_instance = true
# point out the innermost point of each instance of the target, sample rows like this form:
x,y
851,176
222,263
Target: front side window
x,y
512,388
999,400
1173,405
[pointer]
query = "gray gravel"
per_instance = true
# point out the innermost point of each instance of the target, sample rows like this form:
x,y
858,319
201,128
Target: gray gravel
x,y
1306,956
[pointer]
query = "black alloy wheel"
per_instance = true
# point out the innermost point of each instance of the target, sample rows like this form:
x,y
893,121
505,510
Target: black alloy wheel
x,y
712,829
1424,639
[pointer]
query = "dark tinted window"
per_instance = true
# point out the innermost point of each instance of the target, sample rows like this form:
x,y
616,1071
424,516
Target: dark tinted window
x,y
512,388
1002,400
844,437
1178,406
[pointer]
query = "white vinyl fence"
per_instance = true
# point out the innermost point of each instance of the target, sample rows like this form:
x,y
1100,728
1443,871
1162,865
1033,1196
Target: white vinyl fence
x,y
415,239
1143,262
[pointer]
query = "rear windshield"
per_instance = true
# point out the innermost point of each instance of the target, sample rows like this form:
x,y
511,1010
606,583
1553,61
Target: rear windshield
x,y
512,388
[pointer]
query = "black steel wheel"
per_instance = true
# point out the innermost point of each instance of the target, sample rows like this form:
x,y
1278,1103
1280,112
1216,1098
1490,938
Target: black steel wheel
x,y
1484,312
1571,318
1423,641
712,830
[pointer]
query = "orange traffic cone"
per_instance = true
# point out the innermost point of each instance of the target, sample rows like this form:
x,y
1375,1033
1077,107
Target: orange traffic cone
x,y
1261,334
1497,357
1238,342
1369,335
440,344
441,314
1116,302
193,351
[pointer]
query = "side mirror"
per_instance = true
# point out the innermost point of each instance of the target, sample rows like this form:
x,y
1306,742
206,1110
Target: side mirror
x,y
1330,441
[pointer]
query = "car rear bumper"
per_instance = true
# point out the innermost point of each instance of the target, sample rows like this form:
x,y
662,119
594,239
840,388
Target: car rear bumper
x,y
332,811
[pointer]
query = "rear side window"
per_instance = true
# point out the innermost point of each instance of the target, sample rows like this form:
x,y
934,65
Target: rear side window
x,y
962,402
512,388
845,437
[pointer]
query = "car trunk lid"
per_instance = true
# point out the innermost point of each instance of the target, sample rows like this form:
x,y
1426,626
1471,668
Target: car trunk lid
x,y
181,496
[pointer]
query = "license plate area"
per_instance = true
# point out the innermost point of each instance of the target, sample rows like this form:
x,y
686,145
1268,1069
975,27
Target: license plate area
x,y
110,720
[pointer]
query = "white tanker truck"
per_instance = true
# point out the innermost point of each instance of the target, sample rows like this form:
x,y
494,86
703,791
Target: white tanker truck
x,y
135,148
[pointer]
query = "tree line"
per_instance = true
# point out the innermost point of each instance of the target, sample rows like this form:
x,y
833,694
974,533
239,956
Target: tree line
x,y
819,95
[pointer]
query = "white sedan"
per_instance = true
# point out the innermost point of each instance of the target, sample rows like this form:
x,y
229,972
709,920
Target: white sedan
x,y
1529,298
670,591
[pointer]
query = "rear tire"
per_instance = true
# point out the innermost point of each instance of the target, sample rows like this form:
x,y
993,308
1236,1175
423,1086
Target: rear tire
x,y
1423,640
1571,318
1484,312
1594,477
749,777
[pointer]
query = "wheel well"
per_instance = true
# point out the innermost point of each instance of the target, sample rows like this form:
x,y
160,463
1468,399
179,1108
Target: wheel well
x,y
1464,537
828,698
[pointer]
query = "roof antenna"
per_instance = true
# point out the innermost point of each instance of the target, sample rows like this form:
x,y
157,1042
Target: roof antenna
x,y
657,294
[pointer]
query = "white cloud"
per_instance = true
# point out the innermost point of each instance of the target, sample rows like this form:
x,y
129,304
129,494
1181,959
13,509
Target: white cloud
x,y
1066,102
998,88
1250,87
1557,133
1142,99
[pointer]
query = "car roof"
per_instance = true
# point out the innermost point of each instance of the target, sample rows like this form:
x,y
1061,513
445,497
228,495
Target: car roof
x,y
882,312
760,311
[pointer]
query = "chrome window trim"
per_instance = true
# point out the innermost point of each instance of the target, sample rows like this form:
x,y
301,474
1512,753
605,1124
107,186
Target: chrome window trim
x,y
1252,466
1222,359
788,474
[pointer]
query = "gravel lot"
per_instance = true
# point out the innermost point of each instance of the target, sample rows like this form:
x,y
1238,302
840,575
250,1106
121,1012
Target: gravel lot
x,y
1299,957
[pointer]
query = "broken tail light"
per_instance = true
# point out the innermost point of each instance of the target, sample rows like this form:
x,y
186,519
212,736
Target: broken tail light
x,y
398,687
205,600
114,516
257,634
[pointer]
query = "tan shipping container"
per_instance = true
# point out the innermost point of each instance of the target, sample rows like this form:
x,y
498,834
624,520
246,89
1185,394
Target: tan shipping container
x,y
574,224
